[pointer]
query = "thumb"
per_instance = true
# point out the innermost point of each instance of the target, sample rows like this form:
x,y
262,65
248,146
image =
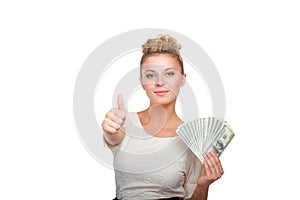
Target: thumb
x,y
120,102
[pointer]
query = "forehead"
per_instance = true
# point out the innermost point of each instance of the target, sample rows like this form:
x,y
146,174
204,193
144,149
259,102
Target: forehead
x,y
157,68
162,60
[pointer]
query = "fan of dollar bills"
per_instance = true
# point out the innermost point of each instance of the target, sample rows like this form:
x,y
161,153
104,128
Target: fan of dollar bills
x,y
206,134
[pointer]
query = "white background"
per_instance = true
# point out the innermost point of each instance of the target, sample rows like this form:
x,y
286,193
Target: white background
x,y
254,45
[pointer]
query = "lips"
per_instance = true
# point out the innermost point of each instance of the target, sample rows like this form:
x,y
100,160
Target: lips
x,y
161,92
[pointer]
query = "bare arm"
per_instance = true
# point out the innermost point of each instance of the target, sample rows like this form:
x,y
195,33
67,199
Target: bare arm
x,y
113,122
200,194
211,171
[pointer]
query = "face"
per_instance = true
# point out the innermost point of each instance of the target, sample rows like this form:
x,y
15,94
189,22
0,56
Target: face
x,y
161,78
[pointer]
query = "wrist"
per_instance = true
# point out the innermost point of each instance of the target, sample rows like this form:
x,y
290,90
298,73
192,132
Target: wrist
x,y
202,187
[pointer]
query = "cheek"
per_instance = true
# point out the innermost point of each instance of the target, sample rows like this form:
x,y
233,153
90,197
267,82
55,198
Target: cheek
x,y
174,86
148,88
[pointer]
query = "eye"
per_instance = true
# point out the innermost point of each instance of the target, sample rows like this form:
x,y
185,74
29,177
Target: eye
x,y
150,76
169,74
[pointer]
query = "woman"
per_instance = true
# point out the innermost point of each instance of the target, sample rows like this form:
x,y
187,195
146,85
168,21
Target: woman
x,y
150,160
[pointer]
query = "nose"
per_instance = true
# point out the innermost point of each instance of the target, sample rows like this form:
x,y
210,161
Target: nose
x,y
160,81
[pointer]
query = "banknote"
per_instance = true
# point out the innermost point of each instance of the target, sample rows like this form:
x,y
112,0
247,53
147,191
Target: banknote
x,y
221,141
206,134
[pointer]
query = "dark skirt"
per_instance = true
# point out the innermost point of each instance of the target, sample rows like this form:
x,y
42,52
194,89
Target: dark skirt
x,y
172,198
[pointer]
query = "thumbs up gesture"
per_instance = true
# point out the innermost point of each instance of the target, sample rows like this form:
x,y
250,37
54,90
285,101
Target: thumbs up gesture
x,y
113,122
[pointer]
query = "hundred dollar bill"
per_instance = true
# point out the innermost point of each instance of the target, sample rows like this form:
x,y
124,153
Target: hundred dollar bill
x,y
206,134
221,142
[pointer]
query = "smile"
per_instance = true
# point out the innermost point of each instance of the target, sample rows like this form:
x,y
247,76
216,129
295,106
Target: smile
x,y
161,92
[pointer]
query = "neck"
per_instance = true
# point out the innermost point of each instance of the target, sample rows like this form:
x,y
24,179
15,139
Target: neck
x,y
157,118
165,110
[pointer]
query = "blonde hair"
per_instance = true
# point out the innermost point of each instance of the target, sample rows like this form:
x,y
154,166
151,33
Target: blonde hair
x,y
163,44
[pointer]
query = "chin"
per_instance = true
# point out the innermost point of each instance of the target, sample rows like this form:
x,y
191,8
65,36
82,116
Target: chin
x,y
166,100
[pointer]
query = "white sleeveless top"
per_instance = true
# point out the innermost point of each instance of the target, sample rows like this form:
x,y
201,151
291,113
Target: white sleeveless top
x,y
148,167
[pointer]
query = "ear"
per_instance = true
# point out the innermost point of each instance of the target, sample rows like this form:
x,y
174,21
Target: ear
x,y
183,78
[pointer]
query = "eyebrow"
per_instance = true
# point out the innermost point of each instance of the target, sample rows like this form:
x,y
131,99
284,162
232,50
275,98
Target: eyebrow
x,y
151,70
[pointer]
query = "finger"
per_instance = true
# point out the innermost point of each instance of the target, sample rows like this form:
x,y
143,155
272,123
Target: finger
x,y
211,164
118,114
108,129
218,163
115,118
221,169
215,161
207,168
112,124
119,121
120,102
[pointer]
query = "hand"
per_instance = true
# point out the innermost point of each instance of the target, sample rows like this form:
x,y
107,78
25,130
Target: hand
x,y
115,118
211,171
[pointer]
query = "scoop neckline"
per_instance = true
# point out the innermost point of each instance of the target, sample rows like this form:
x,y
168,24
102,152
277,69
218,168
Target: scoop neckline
x,y
141,126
